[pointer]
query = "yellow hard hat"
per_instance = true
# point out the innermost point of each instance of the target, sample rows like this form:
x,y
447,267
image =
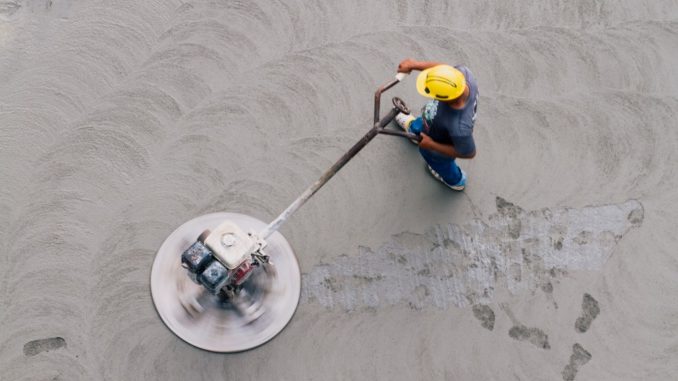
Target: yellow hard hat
x,y
442,82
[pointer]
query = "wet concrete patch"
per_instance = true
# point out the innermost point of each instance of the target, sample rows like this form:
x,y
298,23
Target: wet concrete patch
x,y
535,336
462,264
579,357
35,347
485,314
590,311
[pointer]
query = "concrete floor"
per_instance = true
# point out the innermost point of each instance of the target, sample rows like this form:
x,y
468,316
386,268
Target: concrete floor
x,y
121,120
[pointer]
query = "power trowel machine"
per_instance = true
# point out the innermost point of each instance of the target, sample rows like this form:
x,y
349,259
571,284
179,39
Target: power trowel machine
x,y
227,282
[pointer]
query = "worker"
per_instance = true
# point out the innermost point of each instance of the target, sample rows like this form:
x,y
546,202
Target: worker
x,y
446,123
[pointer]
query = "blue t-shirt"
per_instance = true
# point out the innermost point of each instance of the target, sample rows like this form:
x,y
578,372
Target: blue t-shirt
x,y
449,126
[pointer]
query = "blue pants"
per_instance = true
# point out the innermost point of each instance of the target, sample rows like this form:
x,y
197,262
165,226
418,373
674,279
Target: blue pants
x,y
444,165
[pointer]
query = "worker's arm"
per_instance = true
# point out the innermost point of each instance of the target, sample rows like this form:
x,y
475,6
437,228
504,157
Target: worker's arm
x,y
408,64
444,149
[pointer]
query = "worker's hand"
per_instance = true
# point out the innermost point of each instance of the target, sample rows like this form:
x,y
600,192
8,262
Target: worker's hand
x,y
407,65
426,142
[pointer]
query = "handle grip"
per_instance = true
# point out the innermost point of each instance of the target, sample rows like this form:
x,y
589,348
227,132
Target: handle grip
x,y
400,76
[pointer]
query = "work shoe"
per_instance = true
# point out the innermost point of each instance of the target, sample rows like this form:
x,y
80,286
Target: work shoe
x,y
458,186
404,121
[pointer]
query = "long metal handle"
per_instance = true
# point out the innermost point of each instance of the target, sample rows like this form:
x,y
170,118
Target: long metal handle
x,y
401,134
310,191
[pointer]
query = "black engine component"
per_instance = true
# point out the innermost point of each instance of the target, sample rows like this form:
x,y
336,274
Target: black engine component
x,y
214,277
203,268
196,258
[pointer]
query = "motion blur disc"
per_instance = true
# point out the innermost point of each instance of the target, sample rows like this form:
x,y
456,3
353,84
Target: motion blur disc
x,y
263,308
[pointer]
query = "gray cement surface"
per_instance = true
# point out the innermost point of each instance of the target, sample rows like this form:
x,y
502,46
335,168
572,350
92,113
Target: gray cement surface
x,y
120,120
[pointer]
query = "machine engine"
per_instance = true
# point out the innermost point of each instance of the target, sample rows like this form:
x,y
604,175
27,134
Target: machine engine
x,y
224,258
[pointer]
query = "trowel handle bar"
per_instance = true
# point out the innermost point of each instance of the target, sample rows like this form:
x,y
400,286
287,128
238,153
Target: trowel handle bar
x,y
310,191
402,134
377,128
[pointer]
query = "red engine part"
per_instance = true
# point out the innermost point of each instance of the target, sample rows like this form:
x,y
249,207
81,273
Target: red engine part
x,y
243,272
